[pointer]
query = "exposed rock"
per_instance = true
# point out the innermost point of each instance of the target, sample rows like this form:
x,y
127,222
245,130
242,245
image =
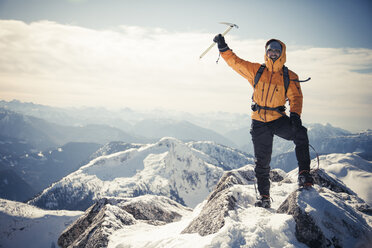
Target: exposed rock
x,y
277,175
154,210
327,219
364,208
88,230
324,180
212,217
306,230
110,214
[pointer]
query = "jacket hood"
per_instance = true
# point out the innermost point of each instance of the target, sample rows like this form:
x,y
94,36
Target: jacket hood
x,y
278,64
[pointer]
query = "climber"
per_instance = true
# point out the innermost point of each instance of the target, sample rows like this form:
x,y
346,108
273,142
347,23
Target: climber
x,y
272,85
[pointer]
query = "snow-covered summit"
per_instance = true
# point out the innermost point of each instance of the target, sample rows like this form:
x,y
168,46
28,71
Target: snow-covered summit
x,y
349,169
168,167
317,217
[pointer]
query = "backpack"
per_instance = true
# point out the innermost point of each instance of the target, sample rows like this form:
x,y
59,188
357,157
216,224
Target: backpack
x,y
285,77
279,109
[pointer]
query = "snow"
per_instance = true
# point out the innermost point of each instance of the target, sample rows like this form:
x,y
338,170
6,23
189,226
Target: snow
x,y
160,168
325,207
157,236
22,224
155,167
353,171
248,226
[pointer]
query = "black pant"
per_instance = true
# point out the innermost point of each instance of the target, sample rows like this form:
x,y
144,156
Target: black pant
x,y
262,137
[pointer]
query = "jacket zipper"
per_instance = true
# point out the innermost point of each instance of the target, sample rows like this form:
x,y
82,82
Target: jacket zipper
x,y
271,99
268,90
263,89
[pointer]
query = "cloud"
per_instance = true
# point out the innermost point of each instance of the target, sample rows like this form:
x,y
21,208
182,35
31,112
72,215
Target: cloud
x,y
128,66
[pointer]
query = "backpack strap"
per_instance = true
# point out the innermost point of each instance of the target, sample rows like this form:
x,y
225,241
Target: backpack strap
x,y
258,74
285,79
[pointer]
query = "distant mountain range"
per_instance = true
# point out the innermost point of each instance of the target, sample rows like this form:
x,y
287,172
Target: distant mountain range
x,y
180,129
125,118
339,142
99,125
42,134
31,135
184,172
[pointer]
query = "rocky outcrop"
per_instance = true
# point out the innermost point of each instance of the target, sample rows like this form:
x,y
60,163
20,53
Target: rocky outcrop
x,y
110,214
90,230
212,217
306,229
322,179
277,175
223,199
328,216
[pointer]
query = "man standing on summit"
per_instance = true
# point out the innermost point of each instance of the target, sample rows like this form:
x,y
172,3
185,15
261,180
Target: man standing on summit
x,y
272,84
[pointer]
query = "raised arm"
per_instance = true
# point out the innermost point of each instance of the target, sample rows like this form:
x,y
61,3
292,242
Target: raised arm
x,y
244,68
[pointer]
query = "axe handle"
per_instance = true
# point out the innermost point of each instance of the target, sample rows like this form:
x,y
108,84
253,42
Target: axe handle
x,y
212,45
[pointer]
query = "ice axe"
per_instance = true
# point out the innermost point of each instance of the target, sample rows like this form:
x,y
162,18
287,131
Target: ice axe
x,y
231,25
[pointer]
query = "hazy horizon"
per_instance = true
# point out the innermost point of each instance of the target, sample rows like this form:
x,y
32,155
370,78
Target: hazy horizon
x,y
174,114
145,55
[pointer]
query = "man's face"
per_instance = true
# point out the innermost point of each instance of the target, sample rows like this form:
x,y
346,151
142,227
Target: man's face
x,y
273,54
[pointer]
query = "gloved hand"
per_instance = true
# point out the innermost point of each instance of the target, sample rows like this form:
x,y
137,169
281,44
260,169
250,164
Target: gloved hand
x,y
295,120
220,40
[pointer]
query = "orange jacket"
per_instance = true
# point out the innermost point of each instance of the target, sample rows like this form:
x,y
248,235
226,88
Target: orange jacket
x,y
270,90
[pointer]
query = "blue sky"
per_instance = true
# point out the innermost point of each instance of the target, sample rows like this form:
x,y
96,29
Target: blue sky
x,y
145,54
324,23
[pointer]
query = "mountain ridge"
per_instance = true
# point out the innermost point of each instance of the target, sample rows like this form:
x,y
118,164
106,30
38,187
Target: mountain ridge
x,y
168,167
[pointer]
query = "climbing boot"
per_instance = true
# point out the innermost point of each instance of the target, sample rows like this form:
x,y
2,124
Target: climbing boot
x,y
305,179
263,202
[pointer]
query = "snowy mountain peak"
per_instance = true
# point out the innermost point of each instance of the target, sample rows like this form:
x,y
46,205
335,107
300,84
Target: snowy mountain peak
x,y
168,141
322,217
168,167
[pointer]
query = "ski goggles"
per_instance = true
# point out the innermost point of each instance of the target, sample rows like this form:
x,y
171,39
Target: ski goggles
x,y
274,51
